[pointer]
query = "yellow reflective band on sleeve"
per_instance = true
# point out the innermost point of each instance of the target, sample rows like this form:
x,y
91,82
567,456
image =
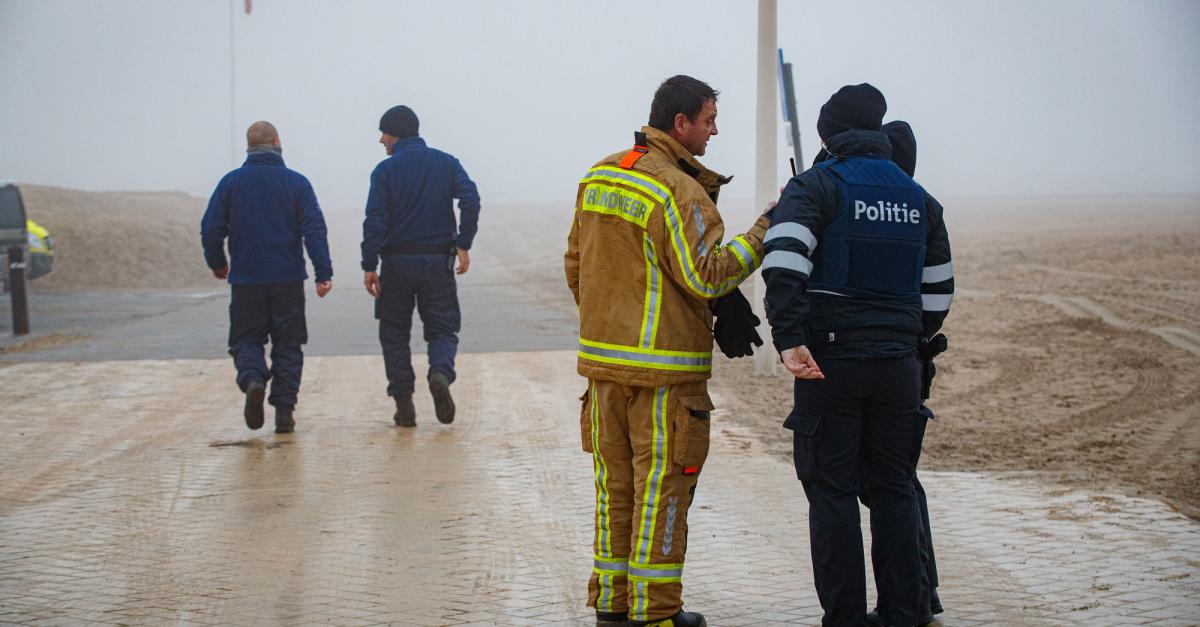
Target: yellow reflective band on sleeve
x,y
653,300
745,253
628,204
682,361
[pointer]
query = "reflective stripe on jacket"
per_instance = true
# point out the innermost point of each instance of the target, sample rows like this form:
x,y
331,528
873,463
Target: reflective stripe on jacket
x,y
644,258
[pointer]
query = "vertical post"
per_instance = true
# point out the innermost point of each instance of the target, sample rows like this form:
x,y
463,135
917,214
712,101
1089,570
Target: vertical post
x,y
766,182
20,304
233,156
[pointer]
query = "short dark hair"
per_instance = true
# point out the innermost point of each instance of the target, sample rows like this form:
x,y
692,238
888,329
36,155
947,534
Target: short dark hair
x,y
679,94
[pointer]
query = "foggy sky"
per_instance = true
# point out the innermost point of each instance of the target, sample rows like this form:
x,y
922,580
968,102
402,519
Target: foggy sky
x,y
1020,97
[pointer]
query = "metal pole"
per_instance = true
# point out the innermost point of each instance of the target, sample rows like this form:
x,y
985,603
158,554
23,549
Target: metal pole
x,y
233,156
20,304
766,182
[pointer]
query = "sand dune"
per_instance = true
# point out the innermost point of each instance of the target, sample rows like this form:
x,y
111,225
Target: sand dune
x,y
120,239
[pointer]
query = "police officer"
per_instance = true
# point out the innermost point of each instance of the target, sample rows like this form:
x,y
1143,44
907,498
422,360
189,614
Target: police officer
x,y
937,280
844,265
266,210
410,225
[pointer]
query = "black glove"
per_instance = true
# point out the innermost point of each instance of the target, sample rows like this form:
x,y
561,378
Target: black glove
x,y
734,327
927,349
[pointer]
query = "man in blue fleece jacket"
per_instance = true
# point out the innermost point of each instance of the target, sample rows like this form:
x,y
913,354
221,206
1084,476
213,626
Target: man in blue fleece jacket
x,y
410,226
266,210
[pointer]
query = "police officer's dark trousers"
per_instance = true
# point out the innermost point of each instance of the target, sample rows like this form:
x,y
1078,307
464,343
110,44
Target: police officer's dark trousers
x,y
929,578
426,282
274,312
864,411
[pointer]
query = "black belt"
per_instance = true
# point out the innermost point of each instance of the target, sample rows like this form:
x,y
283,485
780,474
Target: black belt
x,y
832,338
419,249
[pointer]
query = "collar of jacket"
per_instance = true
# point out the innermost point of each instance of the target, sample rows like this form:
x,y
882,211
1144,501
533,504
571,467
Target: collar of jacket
x,y
408,143
854,143
264,157
684,160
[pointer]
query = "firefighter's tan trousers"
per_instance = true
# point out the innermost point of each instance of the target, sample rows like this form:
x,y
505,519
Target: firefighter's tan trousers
x,y
648,446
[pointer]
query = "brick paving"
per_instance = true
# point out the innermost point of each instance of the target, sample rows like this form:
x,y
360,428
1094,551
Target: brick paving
x,y
130,493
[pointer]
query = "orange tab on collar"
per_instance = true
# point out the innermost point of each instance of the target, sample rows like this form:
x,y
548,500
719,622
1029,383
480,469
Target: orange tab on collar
x,y
638,151
632,156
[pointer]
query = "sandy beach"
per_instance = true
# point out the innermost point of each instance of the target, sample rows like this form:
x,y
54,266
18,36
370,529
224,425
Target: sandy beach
x,y
1074,347
1074,337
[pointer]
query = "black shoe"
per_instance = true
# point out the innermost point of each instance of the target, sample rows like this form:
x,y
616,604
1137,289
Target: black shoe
x,y
406,414
873,619
284,423
612,619
680,619
935,603
256,391
443,404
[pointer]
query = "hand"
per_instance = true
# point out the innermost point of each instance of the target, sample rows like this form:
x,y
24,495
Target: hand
x,y
323,288
771,204
800,363
221,273
371,282
464,261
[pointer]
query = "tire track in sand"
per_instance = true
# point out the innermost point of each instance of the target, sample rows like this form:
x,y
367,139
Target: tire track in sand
x,y
1080,307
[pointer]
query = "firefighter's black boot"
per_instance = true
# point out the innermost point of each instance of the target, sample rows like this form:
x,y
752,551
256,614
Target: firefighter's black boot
x,y
612,619
256,391
443,403
284,423
680,619
406,414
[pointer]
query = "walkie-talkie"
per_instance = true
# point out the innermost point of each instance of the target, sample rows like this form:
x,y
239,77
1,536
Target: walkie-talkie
x,y
792,160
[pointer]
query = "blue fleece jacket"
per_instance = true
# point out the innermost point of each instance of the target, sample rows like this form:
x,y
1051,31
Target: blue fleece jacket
x,y
412,202
265,210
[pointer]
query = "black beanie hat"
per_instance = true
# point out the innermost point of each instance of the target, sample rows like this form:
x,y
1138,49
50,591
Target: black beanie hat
x,y
399,121
852,107
904,145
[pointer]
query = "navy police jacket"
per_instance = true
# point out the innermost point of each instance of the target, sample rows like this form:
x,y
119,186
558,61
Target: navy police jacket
x,y
265,210
857,257
411,203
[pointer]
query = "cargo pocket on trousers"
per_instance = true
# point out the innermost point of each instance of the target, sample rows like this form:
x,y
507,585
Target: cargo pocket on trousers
x,y
804,424
585,420
689,432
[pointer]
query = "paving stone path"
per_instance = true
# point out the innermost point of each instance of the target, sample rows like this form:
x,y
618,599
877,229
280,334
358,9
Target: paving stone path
x,y
131,493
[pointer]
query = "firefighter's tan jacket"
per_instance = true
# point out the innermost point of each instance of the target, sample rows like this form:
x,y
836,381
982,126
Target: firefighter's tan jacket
x,y
644,258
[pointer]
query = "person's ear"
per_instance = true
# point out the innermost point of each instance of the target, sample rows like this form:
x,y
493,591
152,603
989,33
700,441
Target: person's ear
x,y
681,122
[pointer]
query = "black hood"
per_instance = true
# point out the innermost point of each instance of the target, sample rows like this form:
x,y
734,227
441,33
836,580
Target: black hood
x,y
859,142
904,145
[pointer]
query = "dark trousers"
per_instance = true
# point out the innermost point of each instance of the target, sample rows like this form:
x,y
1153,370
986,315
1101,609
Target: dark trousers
x,y
426,282
929,577
275,312
864,413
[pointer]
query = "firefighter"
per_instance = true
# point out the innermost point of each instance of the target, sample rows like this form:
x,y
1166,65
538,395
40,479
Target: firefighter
x,y
850,277
410,225
266,210
646,256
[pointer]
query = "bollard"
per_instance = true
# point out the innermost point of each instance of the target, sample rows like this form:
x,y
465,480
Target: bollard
x,y
20,304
